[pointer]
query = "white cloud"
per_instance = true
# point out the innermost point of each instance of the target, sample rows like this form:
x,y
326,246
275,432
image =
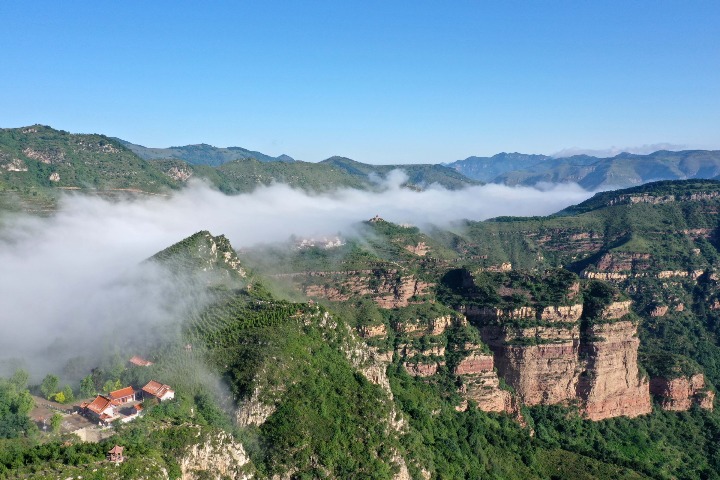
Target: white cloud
x,y
73,280
612,151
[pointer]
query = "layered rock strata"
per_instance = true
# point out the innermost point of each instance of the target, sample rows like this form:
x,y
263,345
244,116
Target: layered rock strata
x,y
610,384
679,394
389,289
554,361
481,383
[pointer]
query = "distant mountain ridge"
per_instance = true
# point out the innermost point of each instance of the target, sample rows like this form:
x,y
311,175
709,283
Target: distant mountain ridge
x,y
202,154
37,162
592,173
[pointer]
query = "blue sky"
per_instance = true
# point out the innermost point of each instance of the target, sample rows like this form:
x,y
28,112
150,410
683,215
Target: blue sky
x,y
377,81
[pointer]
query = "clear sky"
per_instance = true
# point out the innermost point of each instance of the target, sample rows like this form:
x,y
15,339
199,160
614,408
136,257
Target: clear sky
x,y
377,81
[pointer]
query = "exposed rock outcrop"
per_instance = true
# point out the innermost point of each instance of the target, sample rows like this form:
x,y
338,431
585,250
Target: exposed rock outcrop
x,y
610,385
481,384
12,164
555,362
372,331
253,411
389,288
606,276
421,249
421,369
541,373
616,310
569,313
216,458
679,394
435,326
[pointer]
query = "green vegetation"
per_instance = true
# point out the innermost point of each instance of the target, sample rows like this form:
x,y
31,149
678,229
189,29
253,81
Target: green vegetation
x,y
508,290
15,405
38,160
663,445
324,418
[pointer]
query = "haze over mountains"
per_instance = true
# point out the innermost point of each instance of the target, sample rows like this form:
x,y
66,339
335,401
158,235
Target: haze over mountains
x,y
38,161
357,354
592,173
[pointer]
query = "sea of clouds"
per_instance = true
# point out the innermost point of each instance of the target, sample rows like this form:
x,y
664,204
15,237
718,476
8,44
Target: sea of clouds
x,y
72,284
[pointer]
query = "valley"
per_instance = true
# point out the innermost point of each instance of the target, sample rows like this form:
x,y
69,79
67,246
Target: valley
x,y
496,348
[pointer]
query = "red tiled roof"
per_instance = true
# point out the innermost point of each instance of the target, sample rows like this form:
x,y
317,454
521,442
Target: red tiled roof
x,y
123,392
116,449
156,389
99,404
140,362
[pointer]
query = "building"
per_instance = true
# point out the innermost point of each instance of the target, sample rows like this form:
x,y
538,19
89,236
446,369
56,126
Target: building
x,y
101,409
140,362
116,454
123,395
158,390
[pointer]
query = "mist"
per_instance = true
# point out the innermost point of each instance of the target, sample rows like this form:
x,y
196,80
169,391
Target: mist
x,y
613,151
74,285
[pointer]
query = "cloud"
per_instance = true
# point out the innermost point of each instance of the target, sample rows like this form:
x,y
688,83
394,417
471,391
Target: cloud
x,y
612,151
72,284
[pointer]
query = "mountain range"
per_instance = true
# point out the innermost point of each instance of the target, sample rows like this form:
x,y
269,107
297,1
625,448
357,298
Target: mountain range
x,y
36,162
581,345
591,173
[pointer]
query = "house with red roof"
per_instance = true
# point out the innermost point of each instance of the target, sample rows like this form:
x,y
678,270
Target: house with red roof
x,y
158,390
140,362
123,395
101,409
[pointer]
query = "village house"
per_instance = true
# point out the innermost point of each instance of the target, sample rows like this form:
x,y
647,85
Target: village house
x,y
123,395
101,409
158,390
140,362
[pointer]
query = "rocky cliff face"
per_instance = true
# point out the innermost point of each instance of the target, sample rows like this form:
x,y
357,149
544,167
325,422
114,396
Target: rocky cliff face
x,y
555,361
388,288
679,394
543,373
610,385
217,457
474,367
480,382
253,411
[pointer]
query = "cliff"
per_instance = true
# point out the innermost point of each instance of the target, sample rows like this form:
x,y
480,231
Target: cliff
x,y
540,373
388,288
216,457
610,384
681,393
481,384
551,355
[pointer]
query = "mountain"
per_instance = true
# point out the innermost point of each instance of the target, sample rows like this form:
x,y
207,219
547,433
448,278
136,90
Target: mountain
x,y
202,154
37,162
592,173
419,175
584,344
486,169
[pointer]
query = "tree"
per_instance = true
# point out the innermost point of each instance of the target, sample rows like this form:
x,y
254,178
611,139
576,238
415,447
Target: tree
x,y
112,386
56,421
68,392
87,387
60,397
20,379
49,386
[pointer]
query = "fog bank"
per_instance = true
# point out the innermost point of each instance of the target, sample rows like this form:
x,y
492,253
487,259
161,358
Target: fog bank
x,y
71,284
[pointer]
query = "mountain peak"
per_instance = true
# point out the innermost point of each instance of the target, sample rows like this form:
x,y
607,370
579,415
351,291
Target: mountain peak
x,y
202,252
